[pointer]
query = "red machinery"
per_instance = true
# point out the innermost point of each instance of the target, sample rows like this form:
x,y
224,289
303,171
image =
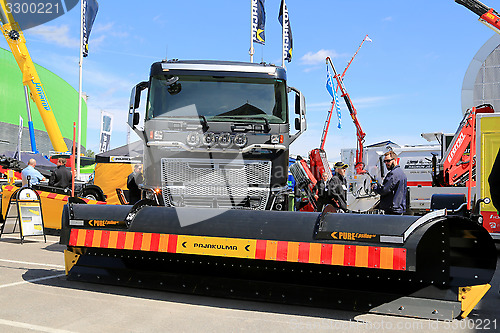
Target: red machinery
x,y
352,110
329,117
458,162
487,15
318,161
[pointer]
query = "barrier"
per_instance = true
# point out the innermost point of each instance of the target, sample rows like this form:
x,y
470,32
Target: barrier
x,y
53,204
28,214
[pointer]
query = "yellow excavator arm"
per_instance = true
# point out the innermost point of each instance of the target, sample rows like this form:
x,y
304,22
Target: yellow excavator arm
x,y
17,44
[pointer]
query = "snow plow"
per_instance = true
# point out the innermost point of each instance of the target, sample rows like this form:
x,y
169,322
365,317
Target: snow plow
x,y
213,219
435,266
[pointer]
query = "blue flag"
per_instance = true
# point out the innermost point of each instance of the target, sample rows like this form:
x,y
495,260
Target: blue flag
x,y
329,82
90,8
258,21
333,93
287,32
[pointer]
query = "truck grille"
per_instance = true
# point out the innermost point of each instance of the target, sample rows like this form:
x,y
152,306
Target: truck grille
x,y
216,183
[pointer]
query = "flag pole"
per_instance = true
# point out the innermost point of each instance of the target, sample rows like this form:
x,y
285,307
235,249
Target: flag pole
x,y
252,50
78,149
283,37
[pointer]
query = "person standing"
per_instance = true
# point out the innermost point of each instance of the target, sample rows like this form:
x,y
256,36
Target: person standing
x,y
61,176
35,175
133,182
338,186
393,189
322,191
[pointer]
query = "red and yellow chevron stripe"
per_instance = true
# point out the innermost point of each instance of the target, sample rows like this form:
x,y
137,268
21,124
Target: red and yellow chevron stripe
x,y
5,171
52,205
50,195
304,252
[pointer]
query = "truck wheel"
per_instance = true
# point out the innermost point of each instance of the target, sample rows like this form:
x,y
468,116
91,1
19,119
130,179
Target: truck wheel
x,y
92,194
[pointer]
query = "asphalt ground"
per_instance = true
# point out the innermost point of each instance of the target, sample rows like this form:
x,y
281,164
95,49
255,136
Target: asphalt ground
x,y
36,297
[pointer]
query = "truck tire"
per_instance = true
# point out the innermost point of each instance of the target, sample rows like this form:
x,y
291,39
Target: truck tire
x,y
92,194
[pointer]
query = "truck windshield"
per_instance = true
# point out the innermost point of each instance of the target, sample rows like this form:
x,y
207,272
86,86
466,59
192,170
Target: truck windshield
x,y
217,98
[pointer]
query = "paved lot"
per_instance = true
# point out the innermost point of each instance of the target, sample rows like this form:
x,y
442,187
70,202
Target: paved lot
x,y
35,297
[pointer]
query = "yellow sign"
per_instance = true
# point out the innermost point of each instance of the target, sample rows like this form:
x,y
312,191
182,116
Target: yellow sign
x,y
217,246
354,236
102,223
30,217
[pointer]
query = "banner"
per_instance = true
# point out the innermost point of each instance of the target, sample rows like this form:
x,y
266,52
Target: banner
x,y
258,21
90,8
333,93
287,32
19,138
106,129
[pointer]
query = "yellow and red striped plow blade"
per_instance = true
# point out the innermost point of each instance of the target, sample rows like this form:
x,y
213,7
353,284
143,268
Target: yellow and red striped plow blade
x,y
303,252
55,196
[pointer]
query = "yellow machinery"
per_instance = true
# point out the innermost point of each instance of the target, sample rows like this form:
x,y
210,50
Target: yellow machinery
x,y
17,44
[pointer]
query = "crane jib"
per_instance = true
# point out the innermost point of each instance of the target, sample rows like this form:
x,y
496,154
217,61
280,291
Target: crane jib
x,y
41,94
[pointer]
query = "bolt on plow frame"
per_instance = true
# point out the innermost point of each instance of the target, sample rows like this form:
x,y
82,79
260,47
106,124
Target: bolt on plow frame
x,y
435,266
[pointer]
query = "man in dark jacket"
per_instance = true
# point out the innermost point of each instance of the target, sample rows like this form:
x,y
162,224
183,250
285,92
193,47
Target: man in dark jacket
x,y
393,189
61,176
494,181
338,188
133,182
322,191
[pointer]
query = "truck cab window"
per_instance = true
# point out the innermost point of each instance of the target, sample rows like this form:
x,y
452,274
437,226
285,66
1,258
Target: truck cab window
x,y
217,98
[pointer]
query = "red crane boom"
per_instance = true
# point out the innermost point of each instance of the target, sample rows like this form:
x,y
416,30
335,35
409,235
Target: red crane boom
x,y
352,111
329,117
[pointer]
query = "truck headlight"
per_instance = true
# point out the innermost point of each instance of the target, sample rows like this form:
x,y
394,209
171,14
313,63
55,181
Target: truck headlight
x,y
209,139
224,140
193,139
240,140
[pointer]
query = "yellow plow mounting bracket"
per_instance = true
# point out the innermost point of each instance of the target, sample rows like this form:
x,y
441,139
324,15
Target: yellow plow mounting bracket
x,y
70,259
470,296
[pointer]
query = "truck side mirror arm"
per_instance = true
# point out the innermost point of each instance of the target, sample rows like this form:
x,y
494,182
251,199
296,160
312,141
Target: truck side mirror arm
x,y
135,101
300,110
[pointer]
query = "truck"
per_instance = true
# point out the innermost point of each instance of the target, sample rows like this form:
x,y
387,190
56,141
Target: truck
x,y
216,134
212,219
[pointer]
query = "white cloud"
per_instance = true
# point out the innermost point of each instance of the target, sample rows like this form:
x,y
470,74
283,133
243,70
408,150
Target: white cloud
x,y
58,35
109,30
103,27
316,58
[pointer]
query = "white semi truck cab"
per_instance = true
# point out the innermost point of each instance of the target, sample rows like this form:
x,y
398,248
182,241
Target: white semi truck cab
x,y
216,134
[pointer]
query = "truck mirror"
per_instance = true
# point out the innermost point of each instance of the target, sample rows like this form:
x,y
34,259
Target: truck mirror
x,y
297,104
135,99
136,118
135,95
297,124
300,110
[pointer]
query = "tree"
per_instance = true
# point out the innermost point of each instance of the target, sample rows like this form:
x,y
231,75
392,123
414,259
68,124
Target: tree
x,y
89,153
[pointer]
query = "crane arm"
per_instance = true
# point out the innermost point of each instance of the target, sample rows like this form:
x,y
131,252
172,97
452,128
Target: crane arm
x,y
15,38
329,116
487,15
352,111
457,164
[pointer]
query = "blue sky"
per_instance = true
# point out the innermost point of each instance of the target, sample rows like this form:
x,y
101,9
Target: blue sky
x,y
406,82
